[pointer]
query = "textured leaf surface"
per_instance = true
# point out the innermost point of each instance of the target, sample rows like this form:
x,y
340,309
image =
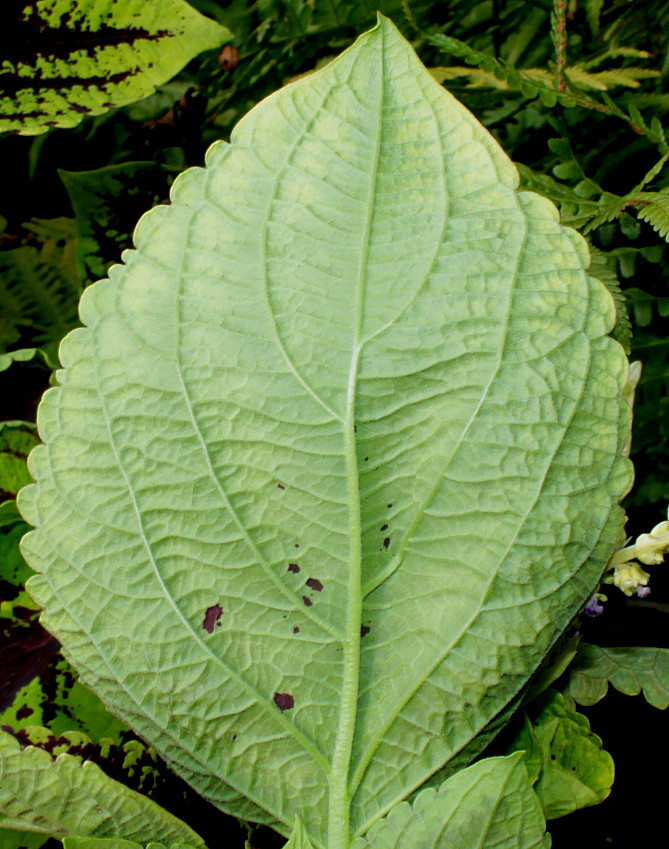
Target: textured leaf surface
x,y
63,59
565,760
490,805
67,797
628,669
337,452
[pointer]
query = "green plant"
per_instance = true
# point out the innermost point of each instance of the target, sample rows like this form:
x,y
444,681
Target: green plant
x,y
333,465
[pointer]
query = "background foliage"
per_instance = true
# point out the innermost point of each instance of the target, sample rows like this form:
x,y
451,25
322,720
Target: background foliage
x,y
576,93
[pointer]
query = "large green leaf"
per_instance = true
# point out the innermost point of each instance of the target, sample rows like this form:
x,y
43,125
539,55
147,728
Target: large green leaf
x,y
64,796
64,59
490,805
336,458
630,669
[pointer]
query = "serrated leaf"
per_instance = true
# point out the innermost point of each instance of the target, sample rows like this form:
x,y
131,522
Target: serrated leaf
x,y
566,762
337,453
63,797
63,59
630,670
488,806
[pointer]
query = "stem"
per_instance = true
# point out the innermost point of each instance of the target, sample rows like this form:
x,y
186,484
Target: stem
x,y
559,35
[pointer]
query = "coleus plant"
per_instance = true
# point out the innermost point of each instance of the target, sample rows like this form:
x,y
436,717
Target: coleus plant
x,y
332,465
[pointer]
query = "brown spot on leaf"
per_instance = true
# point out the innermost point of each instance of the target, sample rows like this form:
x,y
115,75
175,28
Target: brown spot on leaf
x,y
23,712
364,630
383,528
389,506
315,584
296,630
284,701
386,542
307,601
280,486
293,567
211,617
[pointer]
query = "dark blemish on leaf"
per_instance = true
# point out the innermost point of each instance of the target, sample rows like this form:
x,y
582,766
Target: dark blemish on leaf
x,y
234,736
386,542
23,712
389,506
315,584
307,601
211,617
296,545
280,486
383,528
293,567
366,458
284,701
296,630
364,630
553,757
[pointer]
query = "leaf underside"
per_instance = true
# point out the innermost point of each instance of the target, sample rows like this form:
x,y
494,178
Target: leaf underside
x,y
337,452
62,60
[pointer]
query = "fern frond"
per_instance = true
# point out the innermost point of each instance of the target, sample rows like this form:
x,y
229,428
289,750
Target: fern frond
x,y
531,83
605,80
39,288
656,210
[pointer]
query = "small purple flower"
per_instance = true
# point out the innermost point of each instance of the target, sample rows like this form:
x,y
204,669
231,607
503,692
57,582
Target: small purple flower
x,y
642,592
594,607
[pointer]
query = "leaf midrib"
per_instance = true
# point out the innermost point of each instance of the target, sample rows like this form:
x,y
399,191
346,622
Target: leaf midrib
x,y
339,798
